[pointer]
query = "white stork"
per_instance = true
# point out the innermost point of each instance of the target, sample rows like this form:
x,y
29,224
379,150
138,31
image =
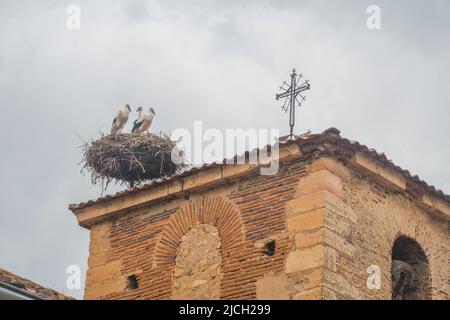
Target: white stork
x,y
139,118
121,119
144,121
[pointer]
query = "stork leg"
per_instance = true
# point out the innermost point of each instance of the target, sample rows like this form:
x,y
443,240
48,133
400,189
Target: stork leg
x,y
398,289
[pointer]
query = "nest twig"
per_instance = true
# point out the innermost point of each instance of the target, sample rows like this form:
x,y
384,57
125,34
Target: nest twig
x,y
130,158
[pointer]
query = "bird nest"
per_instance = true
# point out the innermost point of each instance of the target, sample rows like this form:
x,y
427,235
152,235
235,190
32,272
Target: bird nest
x,y
131,158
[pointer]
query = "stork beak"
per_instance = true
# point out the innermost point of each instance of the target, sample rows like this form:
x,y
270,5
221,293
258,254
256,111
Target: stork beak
x,y
153,111
128,107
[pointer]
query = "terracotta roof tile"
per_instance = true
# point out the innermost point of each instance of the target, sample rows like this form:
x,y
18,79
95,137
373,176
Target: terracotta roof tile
x,y
30,286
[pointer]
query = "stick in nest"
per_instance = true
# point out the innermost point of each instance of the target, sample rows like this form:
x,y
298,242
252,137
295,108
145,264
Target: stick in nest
x,y
130,158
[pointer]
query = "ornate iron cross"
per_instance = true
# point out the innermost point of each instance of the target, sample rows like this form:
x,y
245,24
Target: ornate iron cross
x,y
291,93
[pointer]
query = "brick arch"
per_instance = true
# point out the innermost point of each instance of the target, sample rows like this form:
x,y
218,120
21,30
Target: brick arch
x,y
419,234
215,211
421,237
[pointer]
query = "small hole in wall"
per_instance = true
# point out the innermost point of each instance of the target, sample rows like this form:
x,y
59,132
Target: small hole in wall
x,y
132,282
269,248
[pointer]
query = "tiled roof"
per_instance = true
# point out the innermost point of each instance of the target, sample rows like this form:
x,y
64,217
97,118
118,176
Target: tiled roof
x,y
313,145
30,287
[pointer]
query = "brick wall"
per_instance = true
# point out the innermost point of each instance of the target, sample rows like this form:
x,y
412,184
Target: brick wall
x,y
309,232
198,261
352,222
384,215
143,242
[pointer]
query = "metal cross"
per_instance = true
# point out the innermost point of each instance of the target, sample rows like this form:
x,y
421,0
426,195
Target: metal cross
x,y
291,94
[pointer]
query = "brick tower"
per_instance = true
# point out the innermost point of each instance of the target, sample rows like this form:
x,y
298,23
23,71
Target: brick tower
x,y
338,221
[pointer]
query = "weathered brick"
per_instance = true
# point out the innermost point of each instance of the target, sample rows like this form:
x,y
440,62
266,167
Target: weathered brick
x,y
313,294
273,288
319,181
332,165
306,221
100,290
103,272
306,203
339,243
303,259
309,238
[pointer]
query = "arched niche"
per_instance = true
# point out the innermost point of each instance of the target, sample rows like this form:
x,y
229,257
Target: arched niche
x,y
411,279
196,274
217,212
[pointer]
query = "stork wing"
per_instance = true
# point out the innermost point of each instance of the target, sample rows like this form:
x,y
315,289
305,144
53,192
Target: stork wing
x,y
136,125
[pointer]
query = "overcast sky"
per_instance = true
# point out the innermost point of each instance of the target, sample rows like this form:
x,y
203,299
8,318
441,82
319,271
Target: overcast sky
x,y
216,61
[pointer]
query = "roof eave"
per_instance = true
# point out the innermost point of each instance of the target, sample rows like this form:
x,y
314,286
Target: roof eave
x,y
316,145
177,187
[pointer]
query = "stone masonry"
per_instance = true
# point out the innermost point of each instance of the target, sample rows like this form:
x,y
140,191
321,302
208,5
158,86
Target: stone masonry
x,y
197,265
314,230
